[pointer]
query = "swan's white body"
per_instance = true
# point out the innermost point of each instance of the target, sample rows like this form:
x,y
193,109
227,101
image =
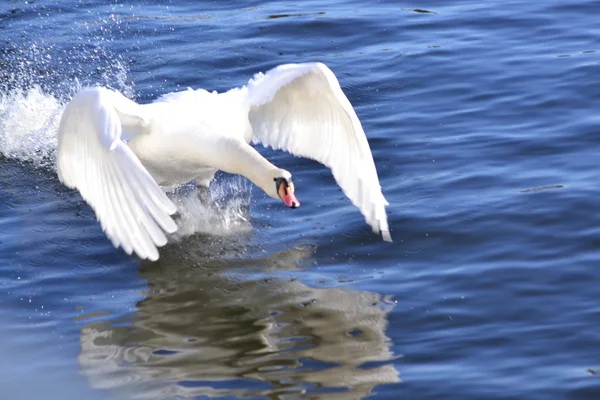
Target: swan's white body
x,y
190,135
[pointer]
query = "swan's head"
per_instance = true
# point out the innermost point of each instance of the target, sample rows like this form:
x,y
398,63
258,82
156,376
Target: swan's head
x,y
284,189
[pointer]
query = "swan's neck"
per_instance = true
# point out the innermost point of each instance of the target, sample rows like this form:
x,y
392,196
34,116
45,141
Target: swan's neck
x,y
246,161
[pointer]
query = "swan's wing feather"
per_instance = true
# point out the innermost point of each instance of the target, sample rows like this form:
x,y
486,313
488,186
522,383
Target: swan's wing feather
x,y
130,206
300,108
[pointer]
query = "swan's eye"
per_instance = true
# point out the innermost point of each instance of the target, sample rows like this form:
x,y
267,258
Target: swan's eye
x,y
284,186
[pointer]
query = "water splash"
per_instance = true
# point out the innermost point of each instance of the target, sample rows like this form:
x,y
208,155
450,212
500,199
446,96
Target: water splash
x,y
37,79
224,212
28,126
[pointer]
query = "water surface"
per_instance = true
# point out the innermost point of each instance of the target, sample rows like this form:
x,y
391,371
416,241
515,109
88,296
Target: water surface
x,y
483,120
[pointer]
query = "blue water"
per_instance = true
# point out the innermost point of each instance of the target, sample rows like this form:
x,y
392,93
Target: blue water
x,y
483,121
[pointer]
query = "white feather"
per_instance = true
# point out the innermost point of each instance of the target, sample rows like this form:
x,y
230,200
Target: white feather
x,y
130,206
300,108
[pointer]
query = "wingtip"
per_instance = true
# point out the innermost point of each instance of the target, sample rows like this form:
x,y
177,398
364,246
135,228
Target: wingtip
x,y
151,255
172,209
387,236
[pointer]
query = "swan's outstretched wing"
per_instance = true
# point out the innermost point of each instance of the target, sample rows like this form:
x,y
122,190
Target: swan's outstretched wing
x,y
300,108
92,158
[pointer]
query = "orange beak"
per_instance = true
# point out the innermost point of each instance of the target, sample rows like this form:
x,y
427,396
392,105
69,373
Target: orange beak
x,y
286,193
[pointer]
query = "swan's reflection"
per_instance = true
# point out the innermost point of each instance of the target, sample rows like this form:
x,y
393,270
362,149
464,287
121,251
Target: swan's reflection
x,y
225,330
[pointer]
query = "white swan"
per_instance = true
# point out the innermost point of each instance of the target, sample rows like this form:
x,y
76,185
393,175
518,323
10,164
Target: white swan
x,y
190,135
